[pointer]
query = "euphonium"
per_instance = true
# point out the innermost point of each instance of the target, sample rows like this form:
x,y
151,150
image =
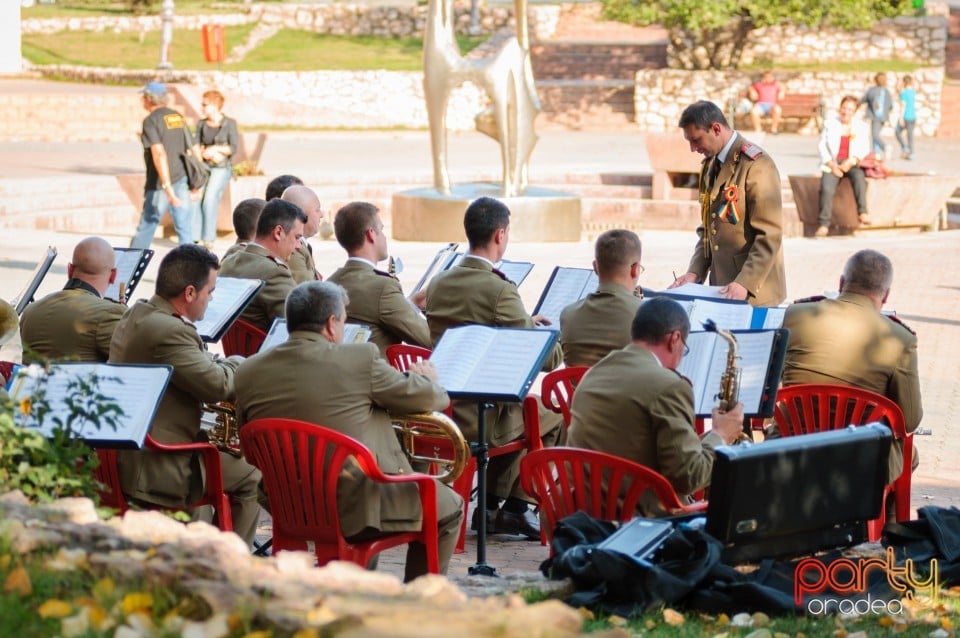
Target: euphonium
x,y
222,429
423,434
729,393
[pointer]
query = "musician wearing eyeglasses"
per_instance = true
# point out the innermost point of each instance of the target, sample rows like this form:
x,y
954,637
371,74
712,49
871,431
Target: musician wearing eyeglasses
x,y
848,341
600,322
358,388
301,263
476,292
279,231
161,331
634,404
376,298
75,323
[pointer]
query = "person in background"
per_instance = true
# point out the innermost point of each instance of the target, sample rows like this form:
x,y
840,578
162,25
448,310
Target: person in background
x,y
765,95
843,143
908,117
217,140
879,104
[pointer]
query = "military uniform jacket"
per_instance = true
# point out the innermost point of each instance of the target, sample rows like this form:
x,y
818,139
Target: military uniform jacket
x,y
473,293
847,341
359,387
597,324
237,247
748,251
377,300
631,406
301,264
152,333
74,324
256,262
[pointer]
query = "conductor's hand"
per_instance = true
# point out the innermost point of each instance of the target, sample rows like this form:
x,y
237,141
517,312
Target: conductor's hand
x,y
733,290
429,370
541,320
686,278
728,425
419,299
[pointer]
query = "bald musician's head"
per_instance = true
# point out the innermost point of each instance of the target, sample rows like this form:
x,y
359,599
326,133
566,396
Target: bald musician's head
x,y
93,263
617,258
868,273
318,306
306,200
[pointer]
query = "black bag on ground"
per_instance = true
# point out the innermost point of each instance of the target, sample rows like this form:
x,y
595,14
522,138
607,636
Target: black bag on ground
x,y
934,535
197,171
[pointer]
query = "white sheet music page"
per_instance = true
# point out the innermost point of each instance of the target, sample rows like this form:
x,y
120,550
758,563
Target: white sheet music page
x,y
754,349
136,389
356,333
516,271
126,262
459,352
439,263
694,290
278,334
773,320
696,364
567,286
229,294
727,316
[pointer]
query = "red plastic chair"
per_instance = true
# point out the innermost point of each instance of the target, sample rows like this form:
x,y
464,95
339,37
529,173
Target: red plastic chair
x,y
807,408
6,369
301,463
242,338
565,480
111,495
557,390
401,355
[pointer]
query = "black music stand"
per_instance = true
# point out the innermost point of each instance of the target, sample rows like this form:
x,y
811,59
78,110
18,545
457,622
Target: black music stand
x,y
26,295
485,364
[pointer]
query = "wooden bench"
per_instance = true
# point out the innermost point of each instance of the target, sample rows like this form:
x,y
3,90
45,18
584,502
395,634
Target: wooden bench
x,y
802,108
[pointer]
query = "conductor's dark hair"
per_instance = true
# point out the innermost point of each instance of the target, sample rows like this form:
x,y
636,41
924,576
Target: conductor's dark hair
x,y
278,213
185,265
656,318
483,218
703,115
245,217
279,184
615,251
312,303
352,223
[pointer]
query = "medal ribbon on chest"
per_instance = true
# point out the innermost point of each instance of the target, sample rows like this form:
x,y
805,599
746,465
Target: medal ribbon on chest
x,y
729,212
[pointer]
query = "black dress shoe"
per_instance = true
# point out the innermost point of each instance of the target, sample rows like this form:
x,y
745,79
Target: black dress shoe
x,y
491,520
527,524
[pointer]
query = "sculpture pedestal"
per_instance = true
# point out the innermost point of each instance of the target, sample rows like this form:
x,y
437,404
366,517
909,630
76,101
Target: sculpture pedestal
x,y
539,215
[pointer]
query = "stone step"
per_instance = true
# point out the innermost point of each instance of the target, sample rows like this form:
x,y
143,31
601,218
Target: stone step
x,y
565,60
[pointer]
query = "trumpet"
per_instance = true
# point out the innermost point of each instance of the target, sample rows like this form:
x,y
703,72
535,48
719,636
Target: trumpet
x,y
426,435
730,380
219,421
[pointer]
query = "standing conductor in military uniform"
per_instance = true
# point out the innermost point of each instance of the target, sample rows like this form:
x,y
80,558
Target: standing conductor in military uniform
x,y
738,241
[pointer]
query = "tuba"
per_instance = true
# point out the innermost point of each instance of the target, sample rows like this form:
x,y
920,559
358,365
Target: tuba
x,y
219,421
433,438
729,393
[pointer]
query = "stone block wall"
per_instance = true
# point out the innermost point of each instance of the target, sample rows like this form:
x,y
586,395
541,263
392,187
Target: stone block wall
x,y
661,95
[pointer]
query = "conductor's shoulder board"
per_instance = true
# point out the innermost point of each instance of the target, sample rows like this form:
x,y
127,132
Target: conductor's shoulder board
x,y
896,319
751,150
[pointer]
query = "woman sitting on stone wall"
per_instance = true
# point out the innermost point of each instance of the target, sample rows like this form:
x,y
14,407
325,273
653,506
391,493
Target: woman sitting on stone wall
x,y
845,141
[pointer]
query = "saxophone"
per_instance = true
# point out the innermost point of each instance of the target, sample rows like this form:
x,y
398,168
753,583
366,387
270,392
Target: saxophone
x,y
729,393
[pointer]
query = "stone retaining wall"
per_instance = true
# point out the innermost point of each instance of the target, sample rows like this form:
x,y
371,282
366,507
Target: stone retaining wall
x,y
661,95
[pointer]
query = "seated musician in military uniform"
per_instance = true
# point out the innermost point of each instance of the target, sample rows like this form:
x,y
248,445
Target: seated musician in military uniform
x,y
376,298
245,217
279,230
600,322
848,341
301,263
475,292
359,387
161,331
634,404
75,323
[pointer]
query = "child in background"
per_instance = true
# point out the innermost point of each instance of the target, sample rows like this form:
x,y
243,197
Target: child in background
x,y
908,117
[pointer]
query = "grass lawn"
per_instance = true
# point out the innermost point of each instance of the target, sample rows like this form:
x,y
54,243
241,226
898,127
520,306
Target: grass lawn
x,y
861,66
93,8
288,50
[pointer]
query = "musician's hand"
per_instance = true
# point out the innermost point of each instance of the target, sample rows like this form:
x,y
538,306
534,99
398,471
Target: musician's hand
x,y
728,425
541,320
733,290
686,278
419,299
426,368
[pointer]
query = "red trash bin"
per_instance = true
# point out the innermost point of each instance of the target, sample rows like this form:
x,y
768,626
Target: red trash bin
x,y
214,49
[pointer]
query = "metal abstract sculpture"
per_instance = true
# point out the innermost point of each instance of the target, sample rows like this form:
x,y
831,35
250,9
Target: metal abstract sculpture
x,y
506,77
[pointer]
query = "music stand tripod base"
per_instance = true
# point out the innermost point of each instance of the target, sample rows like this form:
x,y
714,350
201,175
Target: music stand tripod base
x,y
482,568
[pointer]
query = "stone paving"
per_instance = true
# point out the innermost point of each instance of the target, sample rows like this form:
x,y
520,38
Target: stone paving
x,y
925,291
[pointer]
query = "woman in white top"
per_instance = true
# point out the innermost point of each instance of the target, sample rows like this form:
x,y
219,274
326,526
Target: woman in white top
x,y
845,141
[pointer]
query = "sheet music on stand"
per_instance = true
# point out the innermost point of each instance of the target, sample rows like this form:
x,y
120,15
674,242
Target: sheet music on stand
x,y
565,286
728,314
131,264
137,389
761,356
496,364
26,295
352,333
230,296
441,261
